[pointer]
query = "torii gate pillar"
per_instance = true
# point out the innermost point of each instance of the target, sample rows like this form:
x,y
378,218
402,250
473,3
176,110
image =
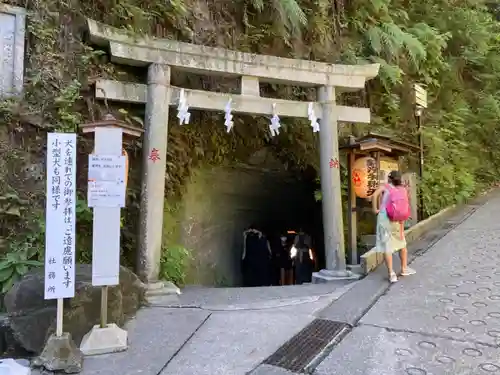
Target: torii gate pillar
x,y
154,158
331,189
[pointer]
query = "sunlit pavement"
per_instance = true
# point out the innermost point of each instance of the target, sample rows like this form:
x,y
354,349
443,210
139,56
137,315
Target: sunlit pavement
x,y
444,320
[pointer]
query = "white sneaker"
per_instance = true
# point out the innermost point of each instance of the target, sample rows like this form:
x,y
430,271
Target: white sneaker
x,y
408,272
393,278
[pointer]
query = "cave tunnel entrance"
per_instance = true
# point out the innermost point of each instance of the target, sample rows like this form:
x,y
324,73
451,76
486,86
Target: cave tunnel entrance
x,y
222,202
287,208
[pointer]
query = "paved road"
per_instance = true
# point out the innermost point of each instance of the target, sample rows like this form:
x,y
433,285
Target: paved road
x,y
444,320
214,331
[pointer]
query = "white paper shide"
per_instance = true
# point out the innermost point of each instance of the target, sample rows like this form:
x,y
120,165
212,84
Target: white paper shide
x,y
228,117
106,186
312,117
275,123
183,109
60,216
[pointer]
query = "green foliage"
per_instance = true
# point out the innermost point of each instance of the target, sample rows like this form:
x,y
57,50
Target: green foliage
x,y
59,65
65,101
290,17
84,220
174,263
175,258
13,267
23,254
12,211
452,48
11,205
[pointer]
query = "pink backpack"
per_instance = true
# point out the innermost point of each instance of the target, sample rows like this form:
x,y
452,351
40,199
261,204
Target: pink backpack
x,y
397,204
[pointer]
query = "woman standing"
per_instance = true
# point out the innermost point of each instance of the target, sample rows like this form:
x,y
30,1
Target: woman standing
x,y
256,258
284,262
390,234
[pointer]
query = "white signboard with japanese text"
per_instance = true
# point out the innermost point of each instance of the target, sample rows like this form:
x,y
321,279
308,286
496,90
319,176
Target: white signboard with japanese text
x,y
106,224
60,216
106,185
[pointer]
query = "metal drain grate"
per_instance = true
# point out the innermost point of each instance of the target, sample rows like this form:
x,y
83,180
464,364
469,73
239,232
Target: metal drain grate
x,y
298,352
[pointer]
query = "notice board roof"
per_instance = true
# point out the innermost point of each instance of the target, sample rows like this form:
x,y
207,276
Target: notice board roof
x,y
373,142
109,121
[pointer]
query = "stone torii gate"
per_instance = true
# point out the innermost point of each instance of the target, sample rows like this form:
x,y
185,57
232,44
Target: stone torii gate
x,y
162,56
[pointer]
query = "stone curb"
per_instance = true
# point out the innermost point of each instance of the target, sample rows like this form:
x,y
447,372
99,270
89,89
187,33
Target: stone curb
x,y
371,259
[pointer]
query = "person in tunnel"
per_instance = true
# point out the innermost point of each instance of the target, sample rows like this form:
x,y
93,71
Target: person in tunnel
x,y
302,257
256,258
275,259
283,264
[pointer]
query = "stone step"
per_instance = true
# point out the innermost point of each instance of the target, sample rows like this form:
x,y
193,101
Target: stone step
x,y
162,288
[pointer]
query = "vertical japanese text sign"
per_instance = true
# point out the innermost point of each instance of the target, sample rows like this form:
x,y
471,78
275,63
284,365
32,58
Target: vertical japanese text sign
x,y
60,216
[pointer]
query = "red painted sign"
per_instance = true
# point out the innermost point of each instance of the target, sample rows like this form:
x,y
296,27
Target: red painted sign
x,y
356,178
154,155
334,163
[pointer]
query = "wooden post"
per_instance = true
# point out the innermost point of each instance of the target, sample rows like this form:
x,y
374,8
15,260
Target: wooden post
x,y
104,306
421,208
352,215
59,317
377,158
420,105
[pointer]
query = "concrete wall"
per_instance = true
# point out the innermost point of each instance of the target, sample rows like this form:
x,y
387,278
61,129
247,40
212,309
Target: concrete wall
x,y
220,203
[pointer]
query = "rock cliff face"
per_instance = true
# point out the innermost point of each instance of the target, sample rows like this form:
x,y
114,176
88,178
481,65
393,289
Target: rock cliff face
x,y
32,319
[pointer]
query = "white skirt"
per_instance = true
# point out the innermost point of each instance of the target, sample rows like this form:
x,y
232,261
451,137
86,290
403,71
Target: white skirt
x,y
390,235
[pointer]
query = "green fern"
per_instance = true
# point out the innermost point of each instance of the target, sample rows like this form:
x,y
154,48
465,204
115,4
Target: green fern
x,y
258,4
390,42
401,41
379,6
389,75
290,16
375,38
